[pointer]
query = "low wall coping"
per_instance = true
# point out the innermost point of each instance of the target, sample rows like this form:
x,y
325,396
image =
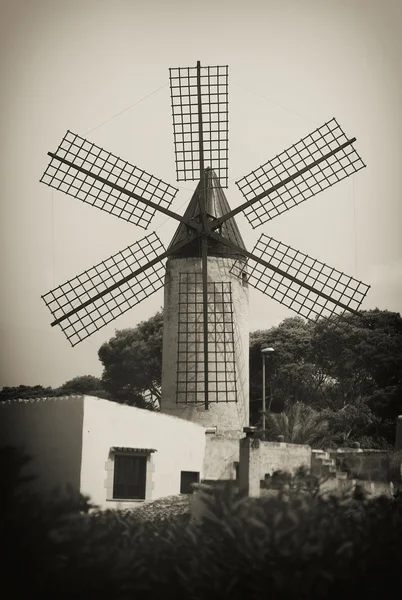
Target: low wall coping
x,y
284,445
358,451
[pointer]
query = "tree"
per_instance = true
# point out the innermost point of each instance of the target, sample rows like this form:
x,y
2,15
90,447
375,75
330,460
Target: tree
x,y
364,357
25,392
132,362
353,365
298,424
292,374
351,423
83,384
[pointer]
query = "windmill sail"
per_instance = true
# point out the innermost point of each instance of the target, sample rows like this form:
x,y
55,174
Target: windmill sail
x,y
199,98
200,109
303,284
190,347
99,178
81,305
317,162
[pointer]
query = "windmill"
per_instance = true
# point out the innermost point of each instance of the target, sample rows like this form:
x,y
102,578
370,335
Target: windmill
x,y
208,269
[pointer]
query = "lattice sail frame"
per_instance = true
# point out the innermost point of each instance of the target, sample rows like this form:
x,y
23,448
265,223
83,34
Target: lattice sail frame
x,y
88,284
313,180
115,173
295,264
221,345
186,123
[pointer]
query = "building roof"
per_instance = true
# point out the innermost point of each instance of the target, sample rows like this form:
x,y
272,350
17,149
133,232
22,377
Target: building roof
x,y
216,206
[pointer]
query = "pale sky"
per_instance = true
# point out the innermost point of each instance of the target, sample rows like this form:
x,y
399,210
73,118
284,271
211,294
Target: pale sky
x,y
293,65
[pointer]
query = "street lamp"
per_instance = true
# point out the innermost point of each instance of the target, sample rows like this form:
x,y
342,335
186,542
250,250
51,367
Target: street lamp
x,y
264,352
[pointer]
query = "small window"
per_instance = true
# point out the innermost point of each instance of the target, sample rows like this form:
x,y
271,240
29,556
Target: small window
x,y
129,477
186,479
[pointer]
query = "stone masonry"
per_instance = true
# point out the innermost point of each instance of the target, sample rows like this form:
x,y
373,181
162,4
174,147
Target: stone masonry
x,y
226,416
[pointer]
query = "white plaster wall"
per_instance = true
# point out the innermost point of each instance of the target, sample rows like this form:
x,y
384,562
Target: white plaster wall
x,y
227,417
180,447
221,454
50,431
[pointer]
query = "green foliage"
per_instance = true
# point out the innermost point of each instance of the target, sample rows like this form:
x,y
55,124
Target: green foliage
x,y
302,482
350,422
132,362
292,544
353,367
290,368
83,384
31,528
298,424
25,392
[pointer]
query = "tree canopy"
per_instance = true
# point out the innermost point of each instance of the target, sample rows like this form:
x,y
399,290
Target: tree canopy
x,y
24,392
132,361
83,384
351,369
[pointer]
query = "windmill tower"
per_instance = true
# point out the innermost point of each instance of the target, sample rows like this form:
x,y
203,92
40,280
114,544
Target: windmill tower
x,y
208,269
184,375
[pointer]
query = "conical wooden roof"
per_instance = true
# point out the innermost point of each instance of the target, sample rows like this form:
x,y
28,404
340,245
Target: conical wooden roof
x,y
216,206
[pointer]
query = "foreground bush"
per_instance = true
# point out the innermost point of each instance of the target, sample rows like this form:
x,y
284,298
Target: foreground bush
x,y
292,545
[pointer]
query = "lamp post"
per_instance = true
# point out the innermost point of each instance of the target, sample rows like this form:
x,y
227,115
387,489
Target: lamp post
x,y
264,352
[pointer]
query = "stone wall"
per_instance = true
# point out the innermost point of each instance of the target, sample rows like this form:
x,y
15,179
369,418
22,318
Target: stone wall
x,y
278,456
226,416
338,487
259,458
372,465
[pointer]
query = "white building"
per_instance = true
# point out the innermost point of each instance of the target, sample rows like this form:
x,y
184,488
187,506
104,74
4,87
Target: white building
x,y
116,454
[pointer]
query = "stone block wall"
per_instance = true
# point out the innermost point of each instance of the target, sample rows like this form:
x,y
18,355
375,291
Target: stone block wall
x,y
226,416
259,458
372,465
278,456
339,487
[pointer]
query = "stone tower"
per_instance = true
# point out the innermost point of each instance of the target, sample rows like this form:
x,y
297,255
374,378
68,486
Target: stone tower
x,y
228,328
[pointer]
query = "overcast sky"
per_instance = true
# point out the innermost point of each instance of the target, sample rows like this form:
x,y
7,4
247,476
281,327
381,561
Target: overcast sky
x,y
293,64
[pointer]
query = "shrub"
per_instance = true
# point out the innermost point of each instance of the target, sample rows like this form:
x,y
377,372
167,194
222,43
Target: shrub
x,y
298,424
294,544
